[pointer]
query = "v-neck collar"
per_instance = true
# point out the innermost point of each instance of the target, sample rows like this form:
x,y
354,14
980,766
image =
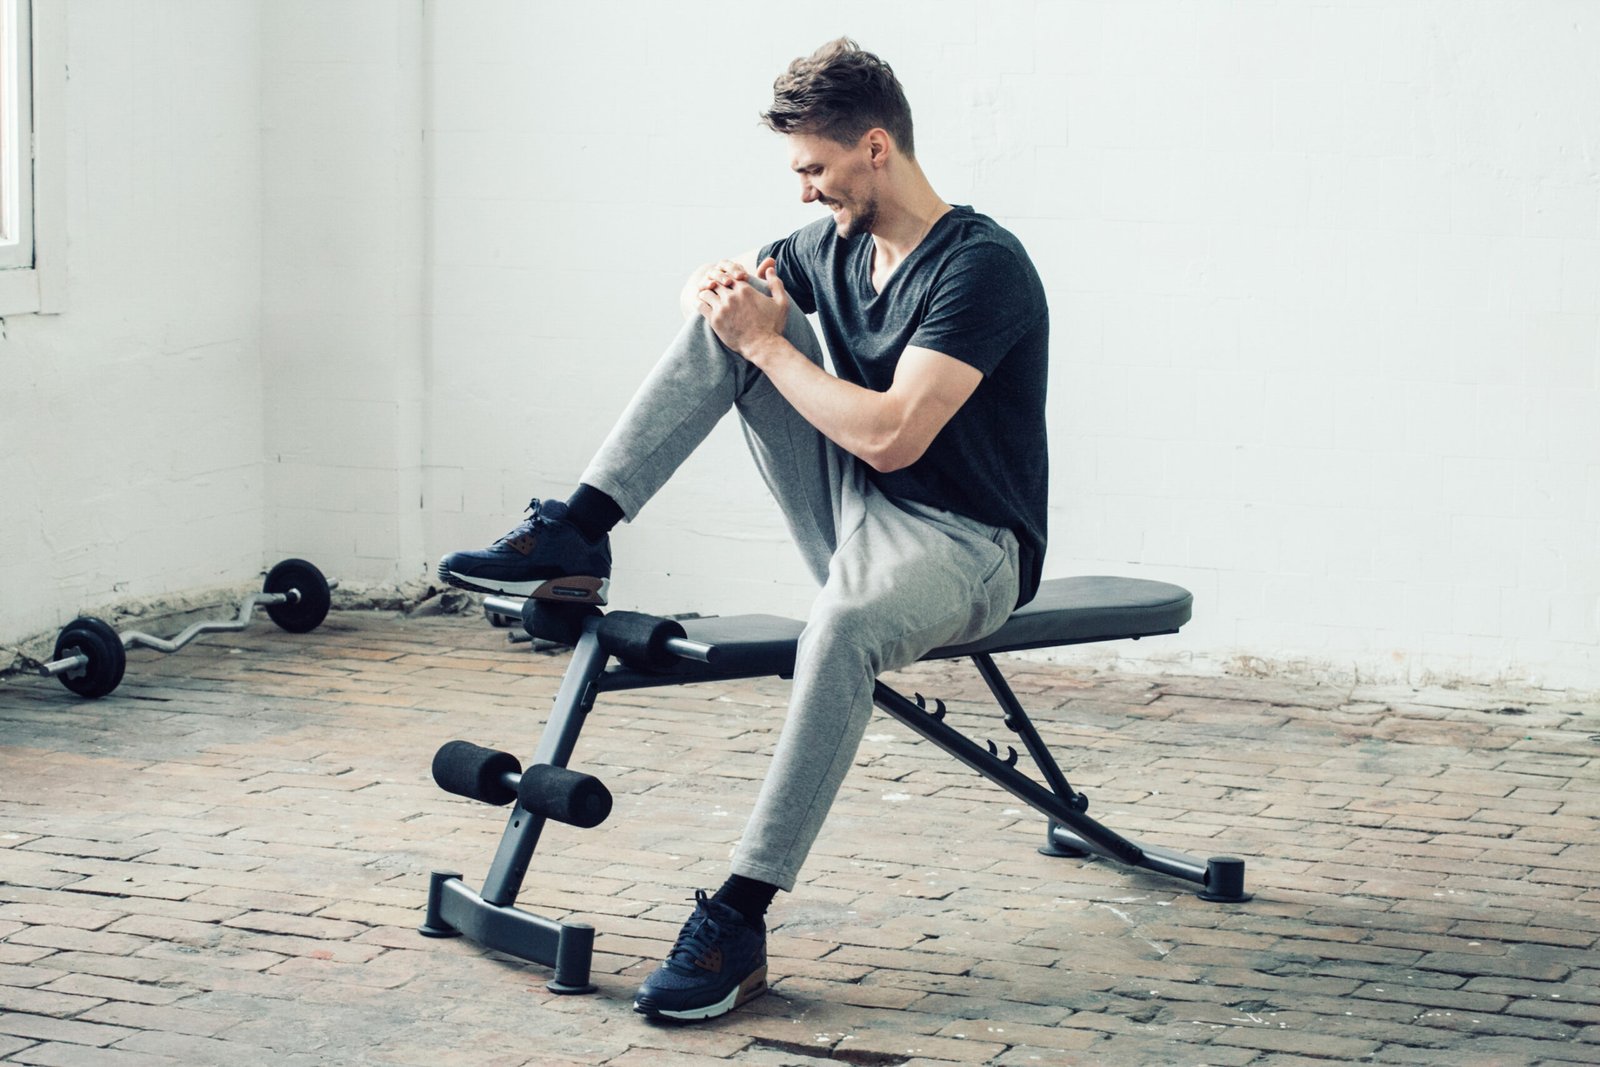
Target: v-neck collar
x,y
872,252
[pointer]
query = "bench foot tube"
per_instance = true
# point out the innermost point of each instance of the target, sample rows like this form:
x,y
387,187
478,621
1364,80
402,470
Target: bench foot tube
x,y
454,909
1221,878
1072,831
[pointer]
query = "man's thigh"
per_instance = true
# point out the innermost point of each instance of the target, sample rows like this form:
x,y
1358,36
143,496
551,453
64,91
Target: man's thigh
x,y
907,578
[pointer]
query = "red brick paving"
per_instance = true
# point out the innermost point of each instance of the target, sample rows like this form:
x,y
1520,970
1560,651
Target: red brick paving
x,y
225,860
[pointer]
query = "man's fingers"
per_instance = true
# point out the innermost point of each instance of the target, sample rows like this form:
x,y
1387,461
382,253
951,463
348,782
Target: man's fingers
x,y
725,274
779,294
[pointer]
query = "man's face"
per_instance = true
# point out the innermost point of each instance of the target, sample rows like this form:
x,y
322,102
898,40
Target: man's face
x,y
841,177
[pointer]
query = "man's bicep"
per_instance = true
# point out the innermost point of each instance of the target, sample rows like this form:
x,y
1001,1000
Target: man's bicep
x,y
932,387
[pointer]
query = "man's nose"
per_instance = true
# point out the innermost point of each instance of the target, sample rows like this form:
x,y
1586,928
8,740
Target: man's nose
x,y
808,192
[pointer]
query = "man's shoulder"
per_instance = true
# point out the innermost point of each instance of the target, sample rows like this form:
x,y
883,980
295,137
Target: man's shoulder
x,y
973,231
975,245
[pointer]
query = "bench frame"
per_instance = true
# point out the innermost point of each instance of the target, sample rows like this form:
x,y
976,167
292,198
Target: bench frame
x,y
491,917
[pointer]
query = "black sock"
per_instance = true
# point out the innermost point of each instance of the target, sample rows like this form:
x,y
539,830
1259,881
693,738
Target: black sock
x,y
748,897
592,512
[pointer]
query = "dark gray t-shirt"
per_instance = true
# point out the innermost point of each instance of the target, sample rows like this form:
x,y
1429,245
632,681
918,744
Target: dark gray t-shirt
x,y
968,291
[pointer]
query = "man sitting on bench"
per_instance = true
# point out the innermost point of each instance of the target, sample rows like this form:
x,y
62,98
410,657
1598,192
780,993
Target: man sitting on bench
x,y
913,483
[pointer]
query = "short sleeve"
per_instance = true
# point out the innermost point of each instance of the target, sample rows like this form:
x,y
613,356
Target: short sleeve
x,y
796,258
985,299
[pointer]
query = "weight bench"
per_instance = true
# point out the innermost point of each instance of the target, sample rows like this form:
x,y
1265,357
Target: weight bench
x,y
657,652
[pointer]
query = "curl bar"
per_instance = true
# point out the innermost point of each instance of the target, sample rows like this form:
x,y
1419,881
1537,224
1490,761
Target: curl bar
x,y
90,656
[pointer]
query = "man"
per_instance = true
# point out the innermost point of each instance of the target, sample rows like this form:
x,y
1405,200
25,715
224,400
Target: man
x,y
913,483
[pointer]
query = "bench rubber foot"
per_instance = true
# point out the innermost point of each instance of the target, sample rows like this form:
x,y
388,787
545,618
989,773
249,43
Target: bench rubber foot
x,y
1224,881
564,990
1053,847
437,931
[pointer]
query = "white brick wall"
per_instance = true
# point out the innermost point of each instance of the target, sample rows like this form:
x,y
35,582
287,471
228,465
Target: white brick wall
x,y
342,284
131,427
1325,283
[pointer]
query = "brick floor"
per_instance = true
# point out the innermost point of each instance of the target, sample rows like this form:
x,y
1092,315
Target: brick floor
x,y
225,861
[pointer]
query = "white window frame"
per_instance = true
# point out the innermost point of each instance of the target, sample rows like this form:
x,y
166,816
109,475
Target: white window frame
x,y
16,136
32,190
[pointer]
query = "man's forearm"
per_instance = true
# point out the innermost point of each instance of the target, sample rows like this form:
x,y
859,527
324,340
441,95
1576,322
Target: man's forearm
x,y
887,430
863,422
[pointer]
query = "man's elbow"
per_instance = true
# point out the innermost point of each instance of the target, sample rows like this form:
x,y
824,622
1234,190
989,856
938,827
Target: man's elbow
x,y
894,453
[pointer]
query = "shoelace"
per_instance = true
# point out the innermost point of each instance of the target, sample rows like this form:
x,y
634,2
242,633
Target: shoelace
x,y
526,524
698,937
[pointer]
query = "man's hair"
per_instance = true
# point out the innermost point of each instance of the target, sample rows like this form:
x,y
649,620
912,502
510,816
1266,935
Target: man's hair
x,y
840,92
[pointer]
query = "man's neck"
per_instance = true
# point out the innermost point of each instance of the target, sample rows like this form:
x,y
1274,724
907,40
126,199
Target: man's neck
x,y
905,221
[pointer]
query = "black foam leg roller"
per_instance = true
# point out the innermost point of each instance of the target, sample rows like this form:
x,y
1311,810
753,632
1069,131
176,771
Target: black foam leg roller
x,y
639,640
565,796
560,623
469,770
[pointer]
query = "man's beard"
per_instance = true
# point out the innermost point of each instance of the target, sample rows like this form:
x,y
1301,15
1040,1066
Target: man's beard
x,y
861,220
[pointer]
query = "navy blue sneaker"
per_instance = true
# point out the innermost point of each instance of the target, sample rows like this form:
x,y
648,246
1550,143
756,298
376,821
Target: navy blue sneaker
x,y
545,558
719,963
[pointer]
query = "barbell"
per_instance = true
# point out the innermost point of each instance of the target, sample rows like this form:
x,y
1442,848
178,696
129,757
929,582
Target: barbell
x,y
90,656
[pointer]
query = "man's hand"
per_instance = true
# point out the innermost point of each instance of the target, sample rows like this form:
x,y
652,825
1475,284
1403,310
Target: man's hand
x,y
723,274
742,316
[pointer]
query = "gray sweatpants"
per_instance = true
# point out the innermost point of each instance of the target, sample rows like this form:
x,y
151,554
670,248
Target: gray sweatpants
x,y
898,578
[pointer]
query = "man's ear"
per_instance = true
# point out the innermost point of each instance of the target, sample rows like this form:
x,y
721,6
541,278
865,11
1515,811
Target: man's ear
x,y
878,144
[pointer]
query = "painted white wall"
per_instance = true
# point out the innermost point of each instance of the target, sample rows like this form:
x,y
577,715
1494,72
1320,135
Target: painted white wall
x,y
342,284
131,426
354,280
1324,281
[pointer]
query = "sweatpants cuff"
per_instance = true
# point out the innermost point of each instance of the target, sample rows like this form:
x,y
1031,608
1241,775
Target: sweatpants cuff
x,y
784,880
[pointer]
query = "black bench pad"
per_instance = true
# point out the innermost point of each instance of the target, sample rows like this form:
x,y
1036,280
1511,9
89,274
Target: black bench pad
x,y
1067,611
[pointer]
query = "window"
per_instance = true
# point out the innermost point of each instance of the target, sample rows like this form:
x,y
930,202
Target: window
x,y
16,136
32,87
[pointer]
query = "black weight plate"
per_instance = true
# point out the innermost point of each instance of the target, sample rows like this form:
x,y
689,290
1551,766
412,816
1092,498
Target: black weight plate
x,y
303,615
101,644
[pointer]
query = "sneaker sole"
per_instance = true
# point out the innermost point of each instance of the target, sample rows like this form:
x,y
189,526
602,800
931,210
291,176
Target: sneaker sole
x,y
574,589
746,991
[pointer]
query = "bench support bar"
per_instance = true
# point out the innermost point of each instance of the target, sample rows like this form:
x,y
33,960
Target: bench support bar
x,y
1072,831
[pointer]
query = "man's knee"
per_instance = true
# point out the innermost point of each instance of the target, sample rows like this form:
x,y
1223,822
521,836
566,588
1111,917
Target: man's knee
x,y
847,634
